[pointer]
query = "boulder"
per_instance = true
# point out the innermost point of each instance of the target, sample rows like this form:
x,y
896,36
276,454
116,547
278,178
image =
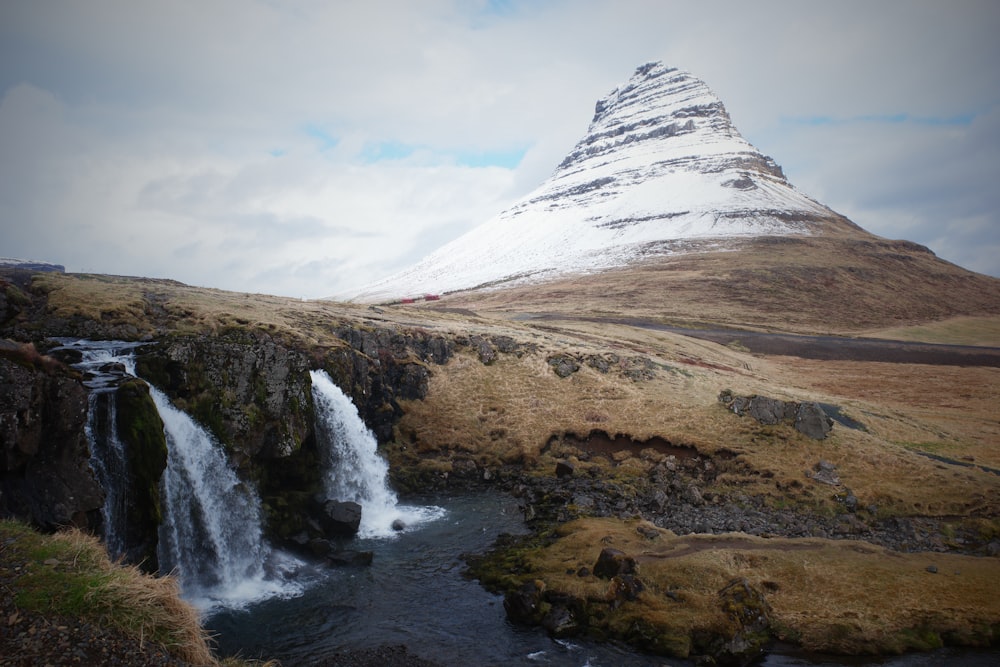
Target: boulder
x,y
749,626
340,518
524,604
613,562
564,469
812,421
808,418
826,473
564,365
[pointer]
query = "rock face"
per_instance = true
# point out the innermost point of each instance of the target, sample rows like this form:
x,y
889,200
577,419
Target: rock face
x,y
661,165
141,432
45,474
251,392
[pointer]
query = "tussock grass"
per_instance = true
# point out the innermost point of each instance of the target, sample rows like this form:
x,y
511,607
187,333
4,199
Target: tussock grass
x,y
69,574
825,595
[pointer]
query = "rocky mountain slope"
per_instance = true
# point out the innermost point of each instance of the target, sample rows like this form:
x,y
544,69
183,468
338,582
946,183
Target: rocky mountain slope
x,y
664,212
661,165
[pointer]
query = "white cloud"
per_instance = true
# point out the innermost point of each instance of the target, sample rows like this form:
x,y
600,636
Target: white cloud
x,y
306,147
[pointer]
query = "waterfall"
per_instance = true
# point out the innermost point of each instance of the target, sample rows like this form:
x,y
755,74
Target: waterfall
x,y
211,531
105,364
355,471
110,465
210,536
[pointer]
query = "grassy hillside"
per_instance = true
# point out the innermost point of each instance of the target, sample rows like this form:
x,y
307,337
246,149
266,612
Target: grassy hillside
x,y
542,391
66,580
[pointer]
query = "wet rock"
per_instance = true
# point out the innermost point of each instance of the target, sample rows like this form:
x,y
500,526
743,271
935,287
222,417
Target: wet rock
x,y
749,616
398,525
320,547
523,605
45,473
560,621
350,558
340,518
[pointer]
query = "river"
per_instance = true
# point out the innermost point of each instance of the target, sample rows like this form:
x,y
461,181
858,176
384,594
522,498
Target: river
x,y
415,594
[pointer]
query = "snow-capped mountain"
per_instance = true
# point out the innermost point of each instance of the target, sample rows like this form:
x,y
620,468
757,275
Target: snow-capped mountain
x,y
660,165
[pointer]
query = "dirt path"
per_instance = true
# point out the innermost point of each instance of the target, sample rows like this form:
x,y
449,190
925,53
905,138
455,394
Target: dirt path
x,y
827,348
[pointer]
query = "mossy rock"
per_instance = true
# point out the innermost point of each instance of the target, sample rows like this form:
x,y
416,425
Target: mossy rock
x,y
140,429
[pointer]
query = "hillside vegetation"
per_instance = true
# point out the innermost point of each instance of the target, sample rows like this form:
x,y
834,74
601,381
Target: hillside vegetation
x,y
916,484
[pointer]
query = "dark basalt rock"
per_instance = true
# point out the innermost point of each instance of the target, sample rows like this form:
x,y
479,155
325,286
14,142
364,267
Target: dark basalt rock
x,y
45,474
613,563
564,365
564,469
340,518
140,431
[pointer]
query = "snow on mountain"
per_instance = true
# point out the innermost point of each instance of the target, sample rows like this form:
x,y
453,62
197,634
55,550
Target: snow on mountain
x,y
660,165
30,265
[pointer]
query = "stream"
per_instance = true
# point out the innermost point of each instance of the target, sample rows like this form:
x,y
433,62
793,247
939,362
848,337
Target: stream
x,y
415,594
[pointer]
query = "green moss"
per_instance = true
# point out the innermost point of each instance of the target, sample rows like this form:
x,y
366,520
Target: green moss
x,y
653,637
505,567
16,296
141,430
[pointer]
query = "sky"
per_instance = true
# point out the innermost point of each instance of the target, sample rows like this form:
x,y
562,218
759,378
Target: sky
x,y
306,148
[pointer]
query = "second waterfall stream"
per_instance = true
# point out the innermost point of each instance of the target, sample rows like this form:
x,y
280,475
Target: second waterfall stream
x,y
355,471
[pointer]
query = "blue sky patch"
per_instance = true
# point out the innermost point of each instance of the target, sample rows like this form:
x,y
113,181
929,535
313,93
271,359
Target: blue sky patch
x,y
326,140
508,159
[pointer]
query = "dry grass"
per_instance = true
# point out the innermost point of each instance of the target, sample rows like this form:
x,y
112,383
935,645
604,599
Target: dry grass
x,y
847,284
70,574
825,595
507,411
980,331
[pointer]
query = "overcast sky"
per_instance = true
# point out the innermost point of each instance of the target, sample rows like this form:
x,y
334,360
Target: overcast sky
x,y
303,148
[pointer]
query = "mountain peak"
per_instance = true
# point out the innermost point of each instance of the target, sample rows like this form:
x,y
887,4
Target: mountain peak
x,y
660,170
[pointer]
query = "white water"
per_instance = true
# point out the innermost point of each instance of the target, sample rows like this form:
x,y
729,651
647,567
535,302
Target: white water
x,y
108,457
210,536
211,530
356,472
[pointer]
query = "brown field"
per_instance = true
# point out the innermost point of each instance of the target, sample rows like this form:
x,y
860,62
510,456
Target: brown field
x,y
507,411
662,384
